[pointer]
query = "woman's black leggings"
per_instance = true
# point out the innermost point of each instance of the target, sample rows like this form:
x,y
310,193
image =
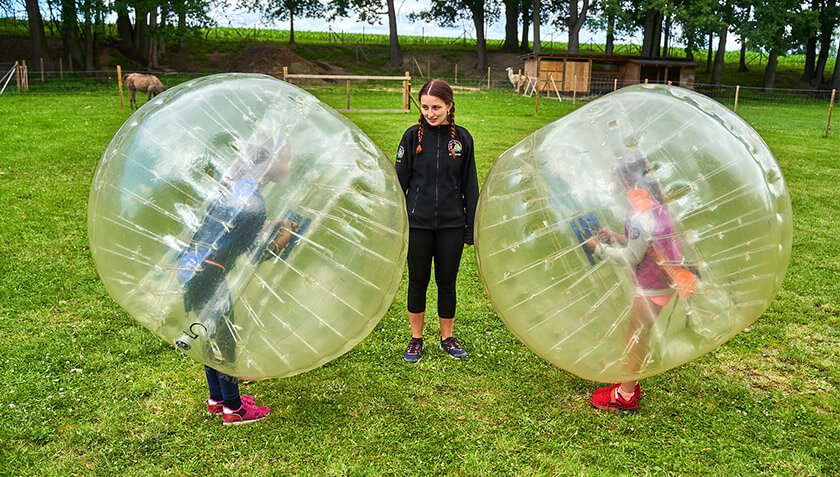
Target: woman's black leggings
x,y
445,246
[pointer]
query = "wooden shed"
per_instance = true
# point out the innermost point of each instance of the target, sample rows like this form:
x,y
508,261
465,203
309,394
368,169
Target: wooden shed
x,y
585,73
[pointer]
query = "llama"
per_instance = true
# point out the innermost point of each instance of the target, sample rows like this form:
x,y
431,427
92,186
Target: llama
x,y
143,83
516,79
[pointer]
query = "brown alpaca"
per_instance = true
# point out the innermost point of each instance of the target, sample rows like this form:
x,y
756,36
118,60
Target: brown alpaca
x,y
143,83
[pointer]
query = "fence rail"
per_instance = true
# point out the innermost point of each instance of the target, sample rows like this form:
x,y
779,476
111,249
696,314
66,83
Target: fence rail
x,y
810,109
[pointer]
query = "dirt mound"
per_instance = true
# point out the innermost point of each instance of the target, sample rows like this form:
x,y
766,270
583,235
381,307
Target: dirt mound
x,y
256,58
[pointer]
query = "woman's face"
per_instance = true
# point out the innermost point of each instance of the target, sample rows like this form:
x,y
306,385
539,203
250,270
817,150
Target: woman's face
x,y
434,110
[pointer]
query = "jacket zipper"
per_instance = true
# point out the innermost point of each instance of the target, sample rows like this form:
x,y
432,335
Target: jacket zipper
x,y
437,172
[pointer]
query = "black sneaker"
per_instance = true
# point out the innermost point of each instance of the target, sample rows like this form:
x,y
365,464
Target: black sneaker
x,y
414,351
453,348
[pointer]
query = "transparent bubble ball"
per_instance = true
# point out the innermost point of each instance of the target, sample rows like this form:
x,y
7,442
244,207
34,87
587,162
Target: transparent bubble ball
x,y
724,203
188,211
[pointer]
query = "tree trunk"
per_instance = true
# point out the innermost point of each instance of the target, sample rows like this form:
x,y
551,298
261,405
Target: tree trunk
x,y
575,22
182,22
36,31
667,40
536,19
717,71
395,55
511,26
811,48
70,33
652,31
742,61
709,55
608,48
88,39
810,58
826,29
124,30
526,24
292,28
770,71
835,78
153,59
481,43
140,32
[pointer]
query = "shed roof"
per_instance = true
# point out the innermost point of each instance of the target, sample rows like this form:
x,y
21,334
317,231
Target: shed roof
x,y
644,60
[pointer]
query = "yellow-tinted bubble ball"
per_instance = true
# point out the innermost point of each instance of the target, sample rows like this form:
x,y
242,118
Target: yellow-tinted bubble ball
x,y
635,234
243,220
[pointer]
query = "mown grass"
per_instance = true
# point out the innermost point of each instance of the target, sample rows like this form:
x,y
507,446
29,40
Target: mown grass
x,y
89,391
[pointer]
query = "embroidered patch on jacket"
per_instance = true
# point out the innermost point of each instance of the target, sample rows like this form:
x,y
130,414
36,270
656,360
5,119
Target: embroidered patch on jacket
x,y
400,152
634,233
455,146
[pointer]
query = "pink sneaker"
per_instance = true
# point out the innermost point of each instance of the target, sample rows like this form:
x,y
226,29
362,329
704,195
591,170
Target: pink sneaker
x,y
249,412
215,407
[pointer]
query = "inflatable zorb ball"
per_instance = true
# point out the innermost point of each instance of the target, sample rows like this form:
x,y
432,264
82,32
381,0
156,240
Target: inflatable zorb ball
x,y
719,222
243,220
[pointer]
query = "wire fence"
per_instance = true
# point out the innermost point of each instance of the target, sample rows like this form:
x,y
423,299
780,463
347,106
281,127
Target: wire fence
x,y
808,109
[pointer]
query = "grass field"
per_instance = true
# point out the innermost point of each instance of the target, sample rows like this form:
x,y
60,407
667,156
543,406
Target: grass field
x,y
89,391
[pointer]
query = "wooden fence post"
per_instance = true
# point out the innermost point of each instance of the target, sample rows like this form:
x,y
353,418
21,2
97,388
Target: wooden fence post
x,y
285,73
61,67
456,73
42,69
406,93
830,108
348,94
17,75
119,82
537,100
25,71
737,92
615,84
488,77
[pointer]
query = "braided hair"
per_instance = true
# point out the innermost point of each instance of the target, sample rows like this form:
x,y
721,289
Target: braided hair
x,y
441,90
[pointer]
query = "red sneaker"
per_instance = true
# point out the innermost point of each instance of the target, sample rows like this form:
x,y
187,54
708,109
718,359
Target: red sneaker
x,y
249,412
612,401
637,391
215,407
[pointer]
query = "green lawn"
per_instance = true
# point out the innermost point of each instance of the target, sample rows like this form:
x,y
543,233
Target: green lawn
x,y
89,391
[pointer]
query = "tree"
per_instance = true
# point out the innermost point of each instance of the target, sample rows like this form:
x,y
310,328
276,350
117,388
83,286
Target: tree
x,y
285,10
725,14
828,21
526,23
511,25
535,18
447,13
371,11
777,26
36,32
811,47
574,21
612,16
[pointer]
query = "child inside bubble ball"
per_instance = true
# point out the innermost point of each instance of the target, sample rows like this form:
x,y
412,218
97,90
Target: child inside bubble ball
x,y
234,224
649,247
436,168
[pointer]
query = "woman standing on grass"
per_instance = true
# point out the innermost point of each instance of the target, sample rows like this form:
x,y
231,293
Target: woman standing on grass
x,y
436,168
